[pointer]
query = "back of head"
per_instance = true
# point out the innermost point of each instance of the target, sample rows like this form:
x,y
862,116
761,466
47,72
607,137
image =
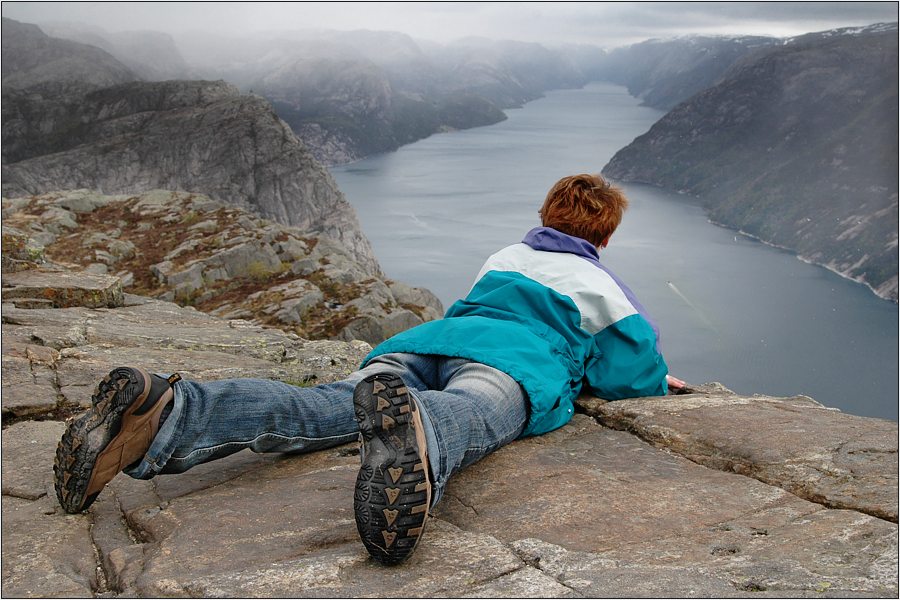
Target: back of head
x,y
584,206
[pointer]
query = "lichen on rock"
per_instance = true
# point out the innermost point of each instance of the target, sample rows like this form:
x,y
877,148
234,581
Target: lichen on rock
x,y
220,259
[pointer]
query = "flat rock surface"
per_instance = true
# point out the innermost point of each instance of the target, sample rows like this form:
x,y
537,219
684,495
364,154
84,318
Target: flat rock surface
x,y
588,510
53,358
840,460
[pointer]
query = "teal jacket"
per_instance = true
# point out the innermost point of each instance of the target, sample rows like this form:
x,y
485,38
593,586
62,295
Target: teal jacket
x,y
547,313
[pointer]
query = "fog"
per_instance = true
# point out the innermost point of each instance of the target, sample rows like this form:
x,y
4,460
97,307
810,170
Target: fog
x,y
606,24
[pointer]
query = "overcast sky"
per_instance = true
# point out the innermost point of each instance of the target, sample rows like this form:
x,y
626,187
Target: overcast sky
x,y
600,23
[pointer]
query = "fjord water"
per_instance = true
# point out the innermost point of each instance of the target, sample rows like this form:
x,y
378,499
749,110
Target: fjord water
x,y
729,308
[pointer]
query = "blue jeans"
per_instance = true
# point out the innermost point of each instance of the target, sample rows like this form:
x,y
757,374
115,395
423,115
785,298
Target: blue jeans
x,y
468,409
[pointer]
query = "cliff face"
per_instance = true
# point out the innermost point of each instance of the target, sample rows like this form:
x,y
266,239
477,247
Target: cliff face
x,y
196,136
180,135
797,146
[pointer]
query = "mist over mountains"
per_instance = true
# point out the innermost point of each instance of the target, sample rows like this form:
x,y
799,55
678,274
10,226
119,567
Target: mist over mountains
x,y
792,141
353,94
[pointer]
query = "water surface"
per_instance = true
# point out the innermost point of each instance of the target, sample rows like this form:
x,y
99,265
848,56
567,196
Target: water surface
x,y
730,309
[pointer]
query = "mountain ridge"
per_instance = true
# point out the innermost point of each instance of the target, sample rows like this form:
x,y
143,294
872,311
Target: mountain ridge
x,y
785,128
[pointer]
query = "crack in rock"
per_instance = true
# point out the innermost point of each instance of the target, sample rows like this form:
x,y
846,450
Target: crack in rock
x,y
102,576
532,559
23,495
458,499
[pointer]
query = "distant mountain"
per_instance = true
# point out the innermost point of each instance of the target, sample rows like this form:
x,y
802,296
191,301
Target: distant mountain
x,y
196,136
352,94
152,55
664,73
40,64
796,145
505,72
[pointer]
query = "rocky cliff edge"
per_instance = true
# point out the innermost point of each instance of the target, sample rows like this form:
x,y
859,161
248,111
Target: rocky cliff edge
x,y
706,494
218,258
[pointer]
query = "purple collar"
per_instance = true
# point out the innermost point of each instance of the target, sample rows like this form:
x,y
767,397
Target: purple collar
x,y
551,240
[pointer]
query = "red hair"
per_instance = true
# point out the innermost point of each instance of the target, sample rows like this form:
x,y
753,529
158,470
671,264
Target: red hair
x,y
584,206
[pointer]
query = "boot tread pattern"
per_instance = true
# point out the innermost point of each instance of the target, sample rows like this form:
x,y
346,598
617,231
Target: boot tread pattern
x,y
392,488
77,451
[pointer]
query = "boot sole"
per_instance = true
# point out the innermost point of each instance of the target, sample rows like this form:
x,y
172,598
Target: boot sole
x,y
106,438
393,492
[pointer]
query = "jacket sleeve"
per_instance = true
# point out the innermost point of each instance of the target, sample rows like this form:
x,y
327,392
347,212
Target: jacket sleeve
x,y
625,361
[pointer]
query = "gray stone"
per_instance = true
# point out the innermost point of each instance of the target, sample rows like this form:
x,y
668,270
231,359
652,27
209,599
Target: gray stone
x,y
615,517
96,239
186,280
29,383
97,269
58,220
19,247
44,553
121,249
295,298
43,238
10,206
28,451
378,325
399,320
305,266
207,226
161,337
213,274
420,297
126,277
376,297
162,270
291,249
367,328
84,201
186,247
839,460
105,257
64,289
245,254
155,202
249,259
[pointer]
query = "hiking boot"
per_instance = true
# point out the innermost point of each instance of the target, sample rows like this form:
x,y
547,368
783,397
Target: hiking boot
x,y
393,492
114,433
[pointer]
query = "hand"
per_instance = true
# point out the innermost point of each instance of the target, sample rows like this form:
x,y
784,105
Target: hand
x,y
674,383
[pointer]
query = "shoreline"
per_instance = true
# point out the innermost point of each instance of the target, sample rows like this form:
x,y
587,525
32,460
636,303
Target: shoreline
x,y
799,256
791,251
805,259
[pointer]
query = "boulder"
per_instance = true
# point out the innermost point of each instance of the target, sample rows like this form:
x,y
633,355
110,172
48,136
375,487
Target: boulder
x,y
63,289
